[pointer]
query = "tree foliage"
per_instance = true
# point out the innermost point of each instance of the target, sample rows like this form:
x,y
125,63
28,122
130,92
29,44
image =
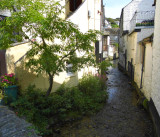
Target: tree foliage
x,y
113,23
57,40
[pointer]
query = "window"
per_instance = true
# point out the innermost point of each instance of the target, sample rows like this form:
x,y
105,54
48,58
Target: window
x,y
74,4
69,69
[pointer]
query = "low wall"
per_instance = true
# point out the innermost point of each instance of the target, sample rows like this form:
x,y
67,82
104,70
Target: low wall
x,y
13,126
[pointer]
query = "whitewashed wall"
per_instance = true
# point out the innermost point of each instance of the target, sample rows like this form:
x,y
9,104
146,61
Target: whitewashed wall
x,y
145,32
132,7
85,23
156,60
80,16
147,79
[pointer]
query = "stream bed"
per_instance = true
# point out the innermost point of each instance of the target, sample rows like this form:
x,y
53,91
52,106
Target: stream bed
x,y
120,117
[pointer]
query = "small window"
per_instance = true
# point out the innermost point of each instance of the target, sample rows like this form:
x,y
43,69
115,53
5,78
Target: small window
x,y
74,4
69,70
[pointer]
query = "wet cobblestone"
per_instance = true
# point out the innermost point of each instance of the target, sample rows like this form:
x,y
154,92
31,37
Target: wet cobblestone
x,y
120,117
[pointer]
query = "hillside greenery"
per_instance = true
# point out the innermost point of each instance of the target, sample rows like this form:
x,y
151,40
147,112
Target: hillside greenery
x,y
112,22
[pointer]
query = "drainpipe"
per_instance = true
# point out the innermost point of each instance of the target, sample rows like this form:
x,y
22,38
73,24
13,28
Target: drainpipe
x,y
143,65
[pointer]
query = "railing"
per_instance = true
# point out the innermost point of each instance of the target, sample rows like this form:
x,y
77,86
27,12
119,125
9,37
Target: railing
x,y
142,19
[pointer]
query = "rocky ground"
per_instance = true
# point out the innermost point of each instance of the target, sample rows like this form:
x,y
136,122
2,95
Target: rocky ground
x,y
120,117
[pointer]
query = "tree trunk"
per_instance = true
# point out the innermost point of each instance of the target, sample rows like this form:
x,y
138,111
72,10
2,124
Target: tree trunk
x,y
50,85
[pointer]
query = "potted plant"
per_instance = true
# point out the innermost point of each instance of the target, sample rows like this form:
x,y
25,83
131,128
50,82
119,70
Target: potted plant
x,y
8,83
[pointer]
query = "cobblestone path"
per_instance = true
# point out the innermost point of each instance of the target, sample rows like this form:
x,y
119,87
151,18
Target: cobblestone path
x,y
120,116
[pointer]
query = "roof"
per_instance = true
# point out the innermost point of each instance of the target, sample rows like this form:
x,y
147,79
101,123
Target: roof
x,y
111,31
147,40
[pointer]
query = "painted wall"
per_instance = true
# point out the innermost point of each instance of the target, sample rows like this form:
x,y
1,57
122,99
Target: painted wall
x,y
145,32
156,60
123,42
136,51
81,18
131,43
84,22
125,23
138,65
147,78
147,74
26,76
132,7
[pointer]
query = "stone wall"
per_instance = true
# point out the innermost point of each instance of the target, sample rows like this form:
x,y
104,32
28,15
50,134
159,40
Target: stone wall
x,y
13,126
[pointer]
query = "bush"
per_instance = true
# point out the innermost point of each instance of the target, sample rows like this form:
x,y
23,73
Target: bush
x,y
63,105
35,107
103,66
94,91
89,85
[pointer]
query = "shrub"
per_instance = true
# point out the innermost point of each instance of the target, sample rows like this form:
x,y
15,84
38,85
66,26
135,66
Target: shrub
x,y
63,105
94,91
89,85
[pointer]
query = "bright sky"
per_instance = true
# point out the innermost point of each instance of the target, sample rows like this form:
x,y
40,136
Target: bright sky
x,y
113,7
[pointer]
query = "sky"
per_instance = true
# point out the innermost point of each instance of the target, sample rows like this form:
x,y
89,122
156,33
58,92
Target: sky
x,y
113,7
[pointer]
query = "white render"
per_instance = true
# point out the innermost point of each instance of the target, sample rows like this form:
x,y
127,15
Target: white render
x,y
156,60
81,18
145,32
131,37
126,21
86,17
135,6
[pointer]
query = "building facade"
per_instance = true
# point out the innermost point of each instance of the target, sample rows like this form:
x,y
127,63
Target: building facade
x,y
139,51
133,18
86,14
155,95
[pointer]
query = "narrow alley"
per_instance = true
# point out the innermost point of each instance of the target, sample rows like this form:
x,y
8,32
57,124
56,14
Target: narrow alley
x,y
121,117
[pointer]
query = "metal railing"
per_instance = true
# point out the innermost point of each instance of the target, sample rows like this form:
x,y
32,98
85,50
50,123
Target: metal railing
x,y
142,19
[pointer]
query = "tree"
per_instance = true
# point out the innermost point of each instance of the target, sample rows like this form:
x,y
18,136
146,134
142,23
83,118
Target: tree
x,y
57,42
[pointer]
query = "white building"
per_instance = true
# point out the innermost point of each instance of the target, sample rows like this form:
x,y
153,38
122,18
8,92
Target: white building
x,y
87,14
140,51
133,15
155,88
